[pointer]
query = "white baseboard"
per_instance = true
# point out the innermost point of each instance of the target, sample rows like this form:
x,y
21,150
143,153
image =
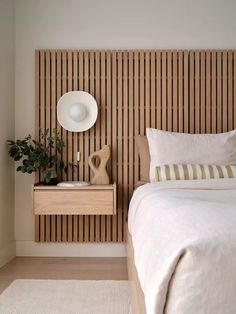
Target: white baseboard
x,y
31,248
7,253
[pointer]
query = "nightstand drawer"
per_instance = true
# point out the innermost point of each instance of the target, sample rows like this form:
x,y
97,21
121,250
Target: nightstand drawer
x,y
75,201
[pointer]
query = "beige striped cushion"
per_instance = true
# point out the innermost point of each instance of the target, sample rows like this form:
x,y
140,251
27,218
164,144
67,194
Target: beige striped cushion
x,y
194,172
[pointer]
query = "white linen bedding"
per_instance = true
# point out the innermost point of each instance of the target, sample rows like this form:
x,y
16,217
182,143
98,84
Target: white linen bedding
x,y
184,238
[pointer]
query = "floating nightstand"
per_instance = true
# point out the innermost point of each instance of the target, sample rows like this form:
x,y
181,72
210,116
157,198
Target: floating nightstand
x,y
89,200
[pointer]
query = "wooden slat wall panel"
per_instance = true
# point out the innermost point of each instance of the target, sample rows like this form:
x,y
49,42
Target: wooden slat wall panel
x,y
103,118
131,120
180,90
208,92
136,111
197,92
70,154
37,123
191,92
213,92
119,148
92,132
109,131
125,142
114,134
86,142
183,91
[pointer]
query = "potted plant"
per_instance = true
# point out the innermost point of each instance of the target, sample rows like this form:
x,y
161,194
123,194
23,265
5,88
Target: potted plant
x,y
42,155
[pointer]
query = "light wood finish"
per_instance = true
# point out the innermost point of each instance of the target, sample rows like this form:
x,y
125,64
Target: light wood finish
x,y
81,268
137,295
74,201
175,90
100,175
57,209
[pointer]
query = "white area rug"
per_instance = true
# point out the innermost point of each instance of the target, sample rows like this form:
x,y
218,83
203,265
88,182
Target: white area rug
x,y
65,297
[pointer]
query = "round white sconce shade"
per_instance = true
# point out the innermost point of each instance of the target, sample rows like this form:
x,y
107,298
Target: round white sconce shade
x,y
77,111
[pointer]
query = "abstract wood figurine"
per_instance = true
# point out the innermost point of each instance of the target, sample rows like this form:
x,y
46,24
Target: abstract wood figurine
x,y
100,172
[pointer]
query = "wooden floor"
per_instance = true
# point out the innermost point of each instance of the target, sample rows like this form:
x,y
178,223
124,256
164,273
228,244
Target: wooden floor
x,y
63,268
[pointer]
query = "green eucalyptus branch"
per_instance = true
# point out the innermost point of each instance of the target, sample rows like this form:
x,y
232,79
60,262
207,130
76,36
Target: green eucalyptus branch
x,y
40,155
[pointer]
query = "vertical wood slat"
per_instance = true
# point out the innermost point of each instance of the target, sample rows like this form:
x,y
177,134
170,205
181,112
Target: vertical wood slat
x,y
42,122
47,111
37,123
125,144
164,91
169,92
103,126
75,134
141,94
58,95
213,93
59,228
230,91
75,143
219,91
197,93
65,138
37,106
153,89
136,111
80,57
175,92
158,90
119,145
225,94
191,93
131,120
185,91
86,141
114,134
208,92
180,91
108,131
64,90
91,132
37,228
70,154
203,92
53,125
98,128
147,89
42,98
42,228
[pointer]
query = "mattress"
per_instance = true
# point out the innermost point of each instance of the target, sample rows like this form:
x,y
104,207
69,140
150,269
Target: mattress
x,y
184,239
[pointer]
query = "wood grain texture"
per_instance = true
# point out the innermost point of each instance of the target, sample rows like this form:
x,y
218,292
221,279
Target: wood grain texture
x,y
137,294
91,200
174,90
64,268
100,175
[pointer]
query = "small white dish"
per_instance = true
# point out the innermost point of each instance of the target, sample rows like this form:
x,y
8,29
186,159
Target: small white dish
x,y
73,183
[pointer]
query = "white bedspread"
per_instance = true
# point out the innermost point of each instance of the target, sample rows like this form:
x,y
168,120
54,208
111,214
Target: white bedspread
x,y
184,238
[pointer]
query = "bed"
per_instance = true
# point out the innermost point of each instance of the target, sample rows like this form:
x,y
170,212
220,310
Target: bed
x,y
182,247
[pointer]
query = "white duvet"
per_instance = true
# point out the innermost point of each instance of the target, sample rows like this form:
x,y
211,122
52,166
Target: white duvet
x,y
184,238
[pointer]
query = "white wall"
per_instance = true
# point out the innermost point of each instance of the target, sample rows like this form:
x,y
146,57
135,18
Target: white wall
x,y
110,24
7,244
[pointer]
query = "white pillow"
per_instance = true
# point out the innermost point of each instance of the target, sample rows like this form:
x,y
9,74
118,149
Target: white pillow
x,y
181,148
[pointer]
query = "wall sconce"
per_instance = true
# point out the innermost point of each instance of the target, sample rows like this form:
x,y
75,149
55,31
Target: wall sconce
x,y
77,111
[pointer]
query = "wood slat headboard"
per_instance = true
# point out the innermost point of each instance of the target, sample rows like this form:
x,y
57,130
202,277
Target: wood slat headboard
x,y
184,91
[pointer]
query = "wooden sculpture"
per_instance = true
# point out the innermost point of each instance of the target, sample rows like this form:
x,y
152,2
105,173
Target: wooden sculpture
x,y
100,172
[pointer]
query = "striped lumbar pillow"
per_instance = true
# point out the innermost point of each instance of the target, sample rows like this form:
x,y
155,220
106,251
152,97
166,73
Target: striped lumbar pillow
x,y
194,172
